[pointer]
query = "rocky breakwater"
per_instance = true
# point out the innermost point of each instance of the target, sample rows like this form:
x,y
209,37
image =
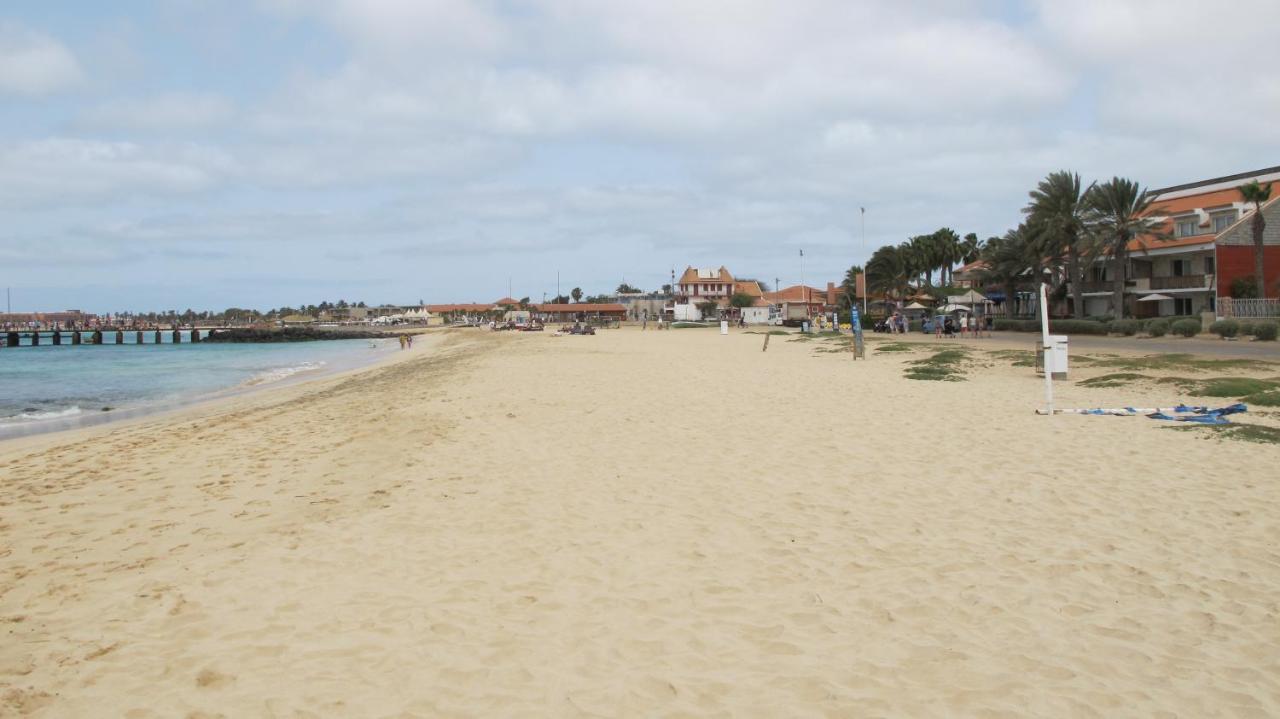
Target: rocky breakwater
x,y
289,334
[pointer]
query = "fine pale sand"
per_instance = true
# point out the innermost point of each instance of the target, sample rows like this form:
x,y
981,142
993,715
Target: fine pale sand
x,y
641,524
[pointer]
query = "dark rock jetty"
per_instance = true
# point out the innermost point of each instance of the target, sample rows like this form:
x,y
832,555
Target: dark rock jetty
x,y
289,334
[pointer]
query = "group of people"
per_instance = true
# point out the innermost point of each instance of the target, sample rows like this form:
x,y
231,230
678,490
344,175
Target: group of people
x,y
406,341
965,325
644,325
895,324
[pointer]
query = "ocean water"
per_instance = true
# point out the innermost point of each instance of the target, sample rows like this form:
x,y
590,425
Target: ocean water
x,y
53,387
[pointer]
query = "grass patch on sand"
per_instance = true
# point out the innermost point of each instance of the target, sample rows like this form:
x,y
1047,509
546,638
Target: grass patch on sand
x,y
1257,433
688,325
1018,358
1175,361
1116,379
943,366
1270,398
1223,386
895,347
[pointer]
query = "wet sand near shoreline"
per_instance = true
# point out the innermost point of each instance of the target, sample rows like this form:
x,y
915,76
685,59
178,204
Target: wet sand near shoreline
x,y
673,523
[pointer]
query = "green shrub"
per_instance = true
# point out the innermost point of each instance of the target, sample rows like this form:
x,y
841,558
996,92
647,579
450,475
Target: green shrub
x,y
1246,327
1186,328
1102,318
1225,328
1244,288
1128,328
1070,327
1265,331
1158,328
1007,325
1078,327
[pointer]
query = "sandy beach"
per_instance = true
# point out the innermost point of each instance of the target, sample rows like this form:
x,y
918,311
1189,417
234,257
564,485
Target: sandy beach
x,y
643,523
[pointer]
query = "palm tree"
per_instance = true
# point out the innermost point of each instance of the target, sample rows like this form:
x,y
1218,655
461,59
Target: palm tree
x,y
887,271
970,248
1258,195
1008,258
921,258
849,286
576,294
1117,213
1057,210
947,252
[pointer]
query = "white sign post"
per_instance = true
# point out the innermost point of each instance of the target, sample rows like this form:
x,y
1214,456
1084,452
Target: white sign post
x,y
724,327
1047,348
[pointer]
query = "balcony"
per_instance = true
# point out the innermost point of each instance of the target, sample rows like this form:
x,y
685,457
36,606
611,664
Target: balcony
x,y
1185,282
1103,286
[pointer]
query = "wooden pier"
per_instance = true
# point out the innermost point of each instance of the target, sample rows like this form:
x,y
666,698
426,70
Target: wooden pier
x,y
35,338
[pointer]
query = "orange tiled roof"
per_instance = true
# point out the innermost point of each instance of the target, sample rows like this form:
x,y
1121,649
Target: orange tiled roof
x,y
1146,243
690,276
471,307
581,307
507,301
748,287
797,293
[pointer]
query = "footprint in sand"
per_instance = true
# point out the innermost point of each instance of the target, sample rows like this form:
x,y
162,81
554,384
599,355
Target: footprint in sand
x,y
209,679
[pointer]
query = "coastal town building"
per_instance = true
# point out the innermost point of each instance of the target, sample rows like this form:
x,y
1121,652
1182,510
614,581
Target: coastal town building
x,y
815,299
698,286
580,311
1206,259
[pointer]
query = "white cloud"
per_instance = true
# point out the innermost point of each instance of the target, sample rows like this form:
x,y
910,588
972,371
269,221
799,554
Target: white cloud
x,y
34,64
465,135
66,171
160,113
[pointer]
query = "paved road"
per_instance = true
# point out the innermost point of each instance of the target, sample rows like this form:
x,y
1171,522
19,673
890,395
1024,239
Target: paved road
x,y
1208,345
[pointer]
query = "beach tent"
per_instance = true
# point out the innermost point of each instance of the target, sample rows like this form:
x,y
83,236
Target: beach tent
x,y
972,297
954,308
915,306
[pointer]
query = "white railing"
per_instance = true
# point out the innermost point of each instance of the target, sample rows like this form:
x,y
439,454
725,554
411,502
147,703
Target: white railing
x,y
1228,307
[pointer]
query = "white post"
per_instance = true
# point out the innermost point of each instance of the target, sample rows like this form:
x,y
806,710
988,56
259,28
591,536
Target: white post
x,y
1046,349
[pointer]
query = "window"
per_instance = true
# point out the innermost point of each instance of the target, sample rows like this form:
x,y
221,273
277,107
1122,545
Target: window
x,y
1182,306
1180,268
1186,227
1223,220
1208,265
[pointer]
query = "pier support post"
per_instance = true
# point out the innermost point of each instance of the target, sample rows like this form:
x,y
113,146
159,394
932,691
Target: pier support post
x,y
97,337
35,338
158,337
75,337
195,335
137,338
12,339
177,337
57,337
119,337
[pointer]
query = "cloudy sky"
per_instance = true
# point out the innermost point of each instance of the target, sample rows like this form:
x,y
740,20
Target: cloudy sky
x,y
208,153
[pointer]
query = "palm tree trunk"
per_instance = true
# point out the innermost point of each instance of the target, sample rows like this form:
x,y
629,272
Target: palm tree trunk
x,y
1076,279
1259,225
1121,259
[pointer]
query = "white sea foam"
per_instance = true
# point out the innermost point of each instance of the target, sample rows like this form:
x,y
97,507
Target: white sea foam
x,y
41,416
279,373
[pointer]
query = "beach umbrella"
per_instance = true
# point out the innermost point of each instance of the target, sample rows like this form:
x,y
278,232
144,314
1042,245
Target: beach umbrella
x,y
1155,298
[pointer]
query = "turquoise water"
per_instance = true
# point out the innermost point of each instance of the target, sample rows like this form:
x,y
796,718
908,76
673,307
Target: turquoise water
x,y
47,387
